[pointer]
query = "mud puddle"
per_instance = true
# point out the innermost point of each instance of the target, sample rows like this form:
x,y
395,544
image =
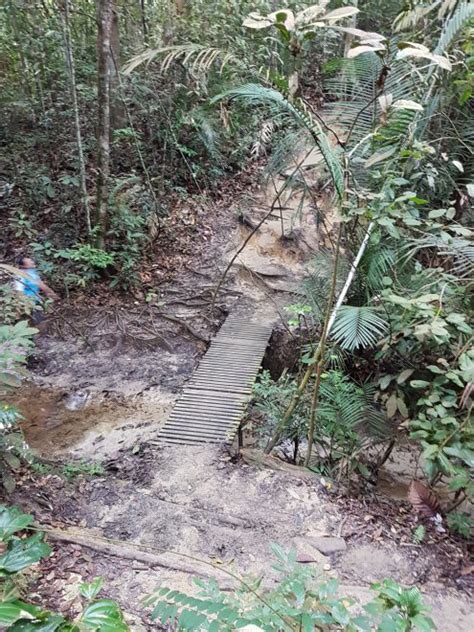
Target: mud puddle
x,y
89,426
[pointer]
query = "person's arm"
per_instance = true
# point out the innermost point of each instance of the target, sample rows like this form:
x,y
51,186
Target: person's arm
x,y
47,290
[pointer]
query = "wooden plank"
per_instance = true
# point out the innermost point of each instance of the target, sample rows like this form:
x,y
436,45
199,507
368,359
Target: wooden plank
x,y
215,398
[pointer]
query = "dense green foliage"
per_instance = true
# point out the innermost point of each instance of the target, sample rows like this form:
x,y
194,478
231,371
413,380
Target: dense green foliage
x,y
116,113
20,550
15,343
299,601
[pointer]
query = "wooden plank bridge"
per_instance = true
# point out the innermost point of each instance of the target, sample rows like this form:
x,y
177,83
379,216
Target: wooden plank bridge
x,y
211,406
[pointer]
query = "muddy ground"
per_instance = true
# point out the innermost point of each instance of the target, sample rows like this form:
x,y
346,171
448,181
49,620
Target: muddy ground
x,y
104,379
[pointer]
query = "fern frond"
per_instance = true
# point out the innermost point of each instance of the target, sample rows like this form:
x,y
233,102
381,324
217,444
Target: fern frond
x,y
357,327
342,402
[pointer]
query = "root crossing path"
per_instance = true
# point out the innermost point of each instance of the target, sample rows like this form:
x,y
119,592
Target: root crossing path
x,y
213,402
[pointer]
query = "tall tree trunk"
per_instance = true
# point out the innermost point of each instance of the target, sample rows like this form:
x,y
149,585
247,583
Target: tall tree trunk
x,y
117,115
105,11
72,83
144,21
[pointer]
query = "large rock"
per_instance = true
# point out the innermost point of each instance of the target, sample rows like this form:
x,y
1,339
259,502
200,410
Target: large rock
x,y
307,553
328,544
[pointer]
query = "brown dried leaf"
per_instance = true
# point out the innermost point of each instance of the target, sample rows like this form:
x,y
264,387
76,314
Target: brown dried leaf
x,y
423,499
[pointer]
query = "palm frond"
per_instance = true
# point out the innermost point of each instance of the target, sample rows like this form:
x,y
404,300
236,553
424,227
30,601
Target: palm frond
x,y
454,25
341,402
461,252
376,264
357,327
281,107
358,111
196,57
317,284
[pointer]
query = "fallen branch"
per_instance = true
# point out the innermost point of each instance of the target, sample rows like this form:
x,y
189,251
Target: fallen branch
x,y
130,551
260,459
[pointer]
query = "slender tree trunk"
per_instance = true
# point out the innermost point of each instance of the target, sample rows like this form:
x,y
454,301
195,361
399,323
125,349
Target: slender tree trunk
x,y
117,116
25,74
72,82
144,21
104,67
353,23
319,352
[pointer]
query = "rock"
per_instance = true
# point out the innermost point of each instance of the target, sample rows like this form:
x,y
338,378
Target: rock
x,y
306,553
328,544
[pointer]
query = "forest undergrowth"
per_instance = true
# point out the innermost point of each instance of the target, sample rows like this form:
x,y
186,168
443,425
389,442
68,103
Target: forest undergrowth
x,y
144,146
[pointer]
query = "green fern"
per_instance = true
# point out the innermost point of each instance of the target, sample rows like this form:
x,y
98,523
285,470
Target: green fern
x,y
358,327
459,250
376,264
419,534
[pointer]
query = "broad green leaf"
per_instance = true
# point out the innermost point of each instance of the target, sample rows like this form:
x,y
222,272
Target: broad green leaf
x,y
90,591
423,623
338,14
402,407
385,381
464,454
51,623
365,48
419,383
391,405
9,613
104,615
23,553
12,520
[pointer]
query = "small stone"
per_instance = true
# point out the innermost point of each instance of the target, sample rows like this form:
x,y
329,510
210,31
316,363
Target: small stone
x,y
327,567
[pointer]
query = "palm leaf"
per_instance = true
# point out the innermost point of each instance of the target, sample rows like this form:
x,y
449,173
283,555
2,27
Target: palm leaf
x,y
342,403
453,26
283,109
357,327
461,252
376,264
194,56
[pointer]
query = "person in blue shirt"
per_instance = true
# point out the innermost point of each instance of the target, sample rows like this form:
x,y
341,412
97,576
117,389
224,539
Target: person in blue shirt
x,y
31,286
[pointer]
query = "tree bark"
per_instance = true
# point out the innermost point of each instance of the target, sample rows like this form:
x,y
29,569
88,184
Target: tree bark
x,y
117,116
144,21
353,23
72,84
105,9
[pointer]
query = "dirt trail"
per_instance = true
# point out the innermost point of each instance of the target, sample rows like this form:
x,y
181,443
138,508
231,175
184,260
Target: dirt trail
x,y
109,406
